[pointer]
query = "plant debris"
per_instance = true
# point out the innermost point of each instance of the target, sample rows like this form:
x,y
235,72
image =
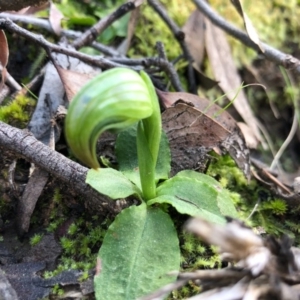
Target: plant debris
x,y
260,268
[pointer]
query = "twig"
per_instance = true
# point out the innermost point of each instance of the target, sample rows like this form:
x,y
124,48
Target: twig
x,y
96,61
91,34
92,60
24,144
135,64
280,58
179,35
71,34
253,210
214,274
32,85
10,80
168,67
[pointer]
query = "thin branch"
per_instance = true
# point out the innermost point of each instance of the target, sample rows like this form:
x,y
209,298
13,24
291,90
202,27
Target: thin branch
x,y
39,39
71,34
227,274
91,34
179,35
169,68
11,81
286,60
92,60
24,144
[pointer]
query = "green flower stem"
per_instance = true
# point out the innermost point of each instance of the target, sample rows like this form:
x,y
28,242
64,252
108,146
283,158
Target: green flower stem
x,y
148,141
146,164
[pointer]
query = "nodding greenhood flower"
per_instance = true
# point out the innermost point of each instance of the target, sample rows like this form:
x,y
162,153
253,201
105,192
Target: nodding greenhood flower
x,y
114,100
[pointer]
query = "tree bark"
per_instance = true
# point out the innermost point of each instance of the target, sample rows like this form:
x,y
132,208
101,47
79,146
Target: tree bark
x,y
24,144
19,4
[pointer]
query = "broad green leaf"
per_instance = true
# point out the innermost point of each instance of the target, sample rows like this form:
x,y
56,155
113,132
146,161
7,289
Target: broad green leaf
x,y
126,151
111,183
224,200
139,249
196,196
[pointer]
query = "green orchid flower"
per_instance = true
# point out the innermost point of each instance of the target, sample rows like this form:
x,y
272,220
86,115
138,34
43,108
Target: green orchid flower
x,y
114,100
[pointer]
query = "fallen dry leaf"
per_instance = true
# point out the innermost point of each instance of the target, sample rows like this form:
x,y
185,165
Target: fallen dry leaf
x,y
251,141
194,36
251,31
55,17
226,73
4,54
195,126
73,81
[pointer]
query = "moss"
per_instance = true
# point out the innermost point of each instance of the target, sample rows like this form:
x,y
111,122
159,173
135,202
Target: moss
x,y
271,213
35,239
151,28
80,246
16,112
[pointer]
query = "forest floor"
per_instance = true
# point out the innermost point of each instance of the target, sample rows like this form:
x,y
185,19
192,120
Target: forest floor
x,y
52,223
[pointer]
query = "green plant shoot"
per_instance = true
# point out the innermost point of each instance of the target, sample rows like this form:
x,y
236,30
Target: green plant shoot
x,y
141,245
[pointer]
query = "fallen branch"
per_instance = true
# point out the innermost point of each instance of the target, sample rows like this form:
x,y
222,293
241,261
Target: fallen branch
x,y
101,62
90,35
71,34
39,39
179,35
25,145
286,60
